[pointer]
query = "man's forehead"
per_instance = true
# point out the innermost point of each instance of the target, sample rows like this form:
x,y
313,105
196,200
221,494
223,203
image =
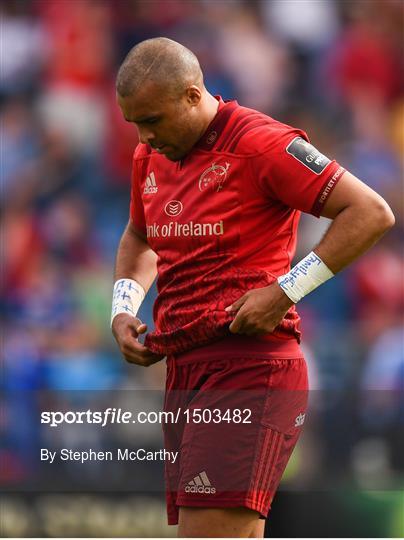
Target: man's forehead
x,y
146,102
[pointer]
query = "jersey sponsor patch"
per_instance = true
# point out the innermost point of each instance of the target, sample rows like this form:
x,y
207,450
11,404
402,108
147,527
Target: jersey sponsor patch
x,y
309,156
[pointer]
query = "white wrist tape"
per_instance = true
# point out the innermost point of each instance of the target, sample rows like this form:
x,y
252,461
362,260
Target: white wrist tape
x,y
303,278
127,297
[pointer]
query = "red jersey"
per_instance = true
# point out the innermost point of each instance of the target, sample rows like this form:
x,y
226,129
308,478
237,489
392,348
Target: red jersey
x,y
224,219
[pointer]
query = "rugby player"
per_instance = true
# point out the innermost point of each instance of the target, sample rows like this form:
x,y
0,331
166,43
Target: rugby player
x,y
217,192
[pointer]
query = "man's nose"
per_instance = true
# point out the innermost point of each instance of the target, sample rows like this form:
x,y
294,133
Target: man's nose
x,y
145,136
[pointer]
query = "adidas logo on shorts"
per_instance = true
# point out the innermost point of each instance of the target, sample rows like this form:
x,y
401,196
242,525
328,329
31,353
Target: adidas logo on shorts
x,y
150,184
200,484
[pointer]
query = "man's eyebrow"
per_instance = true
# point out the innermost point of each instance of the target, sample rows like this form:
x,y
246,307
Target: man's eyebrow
x,y
142,118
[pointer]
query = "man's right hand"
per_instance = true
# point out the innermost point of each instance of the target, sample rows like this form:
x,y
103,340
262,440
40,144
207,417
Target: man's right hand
x,y
126,330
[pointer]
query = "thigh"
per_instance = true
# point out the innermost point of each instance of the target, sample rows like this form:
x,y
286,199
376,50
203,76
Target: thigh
x,y
235,455
219,523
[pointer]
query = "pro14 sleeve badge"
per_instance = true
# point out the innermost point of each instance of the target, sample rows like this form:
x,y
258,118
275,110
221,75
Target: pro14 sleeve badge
x,y
309,156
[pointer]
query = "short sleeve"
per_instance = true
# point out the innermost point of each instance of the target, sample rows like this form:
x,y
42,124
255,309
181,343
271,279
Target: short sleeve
x,y
137,216
294,172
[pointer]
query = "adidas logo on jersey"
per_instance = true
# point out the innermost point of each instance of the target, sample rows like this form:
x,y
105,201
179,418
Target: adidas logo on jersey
x,y
299,420
200,484
150,185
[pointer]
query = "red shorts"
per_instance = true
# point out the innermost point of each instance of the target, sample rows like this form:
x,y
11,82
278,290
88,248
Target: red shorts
x,y
239,406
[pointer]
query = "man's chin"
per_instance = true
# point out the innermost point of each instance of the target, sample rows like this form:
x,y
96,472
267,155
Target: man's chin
x,y
174,156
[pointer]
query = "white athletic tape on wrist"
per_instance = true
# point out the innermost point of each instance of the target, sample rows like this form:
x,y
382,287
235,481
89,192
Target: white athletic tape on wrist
x,y
303,278
127,297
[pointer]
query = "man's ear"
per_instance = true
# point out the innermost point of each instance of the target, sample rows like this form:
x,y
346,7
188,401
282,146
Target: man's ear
x,y
194,95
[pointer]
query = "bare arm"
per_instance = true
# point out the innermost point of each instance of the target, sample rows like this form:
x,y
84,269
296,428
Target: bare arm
x,y
360,218
135,260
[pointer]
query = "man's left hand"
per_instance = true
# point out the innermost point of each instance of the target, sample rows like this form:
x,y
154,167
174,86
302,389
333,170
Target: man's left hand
x,y
259,311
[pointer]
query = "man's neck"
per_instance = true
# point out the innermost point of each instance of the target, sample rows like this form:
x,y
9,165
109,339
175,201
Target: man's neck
x,y
211,106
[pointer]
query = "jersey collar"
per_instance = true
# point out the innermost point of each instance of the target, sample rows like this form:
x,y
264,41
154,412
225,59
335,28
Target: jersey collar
x,y
216,127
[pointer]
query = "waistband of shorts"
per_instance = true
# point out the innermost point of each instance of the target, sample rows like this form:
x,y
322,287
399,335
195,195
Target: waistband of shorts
x,y
241,346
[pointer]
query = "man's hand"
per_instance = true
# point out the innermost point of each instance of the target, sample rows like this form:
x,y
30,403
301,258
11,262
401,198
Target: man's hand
x,y
259,311
126,330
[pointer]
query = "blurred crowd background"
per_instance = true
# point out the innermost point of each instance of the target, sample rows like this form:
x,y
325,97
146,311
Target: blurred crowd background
x,y
333,68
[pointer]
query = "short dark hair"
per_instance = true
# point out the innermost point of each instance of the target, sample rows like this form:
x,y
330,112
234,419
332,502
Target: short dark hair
x,y
161,60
